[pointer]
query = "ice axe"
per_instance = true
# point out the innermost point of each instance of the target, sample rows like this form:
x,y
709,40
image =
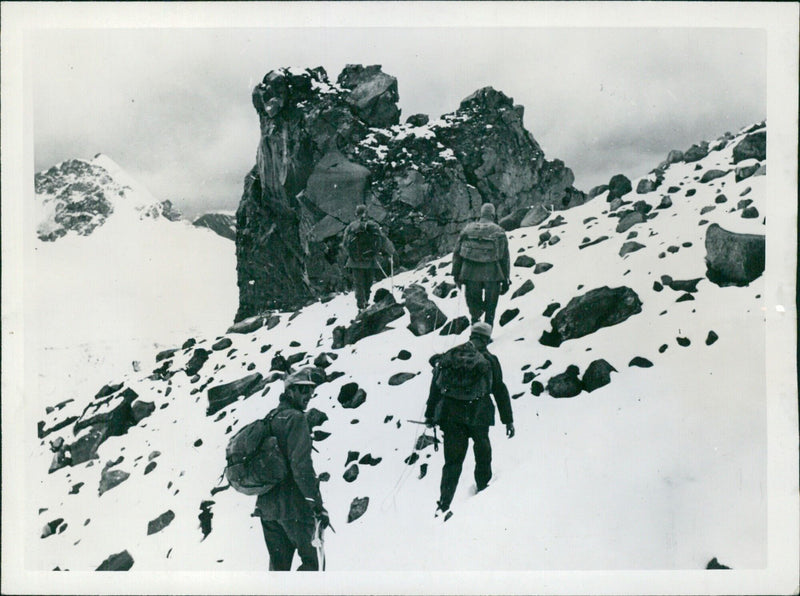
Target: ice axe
x,y
318,543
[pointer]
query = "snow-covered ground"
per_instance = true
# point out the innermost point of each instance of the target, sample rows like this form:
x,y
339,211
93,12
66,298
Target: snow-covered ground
x,y
665,468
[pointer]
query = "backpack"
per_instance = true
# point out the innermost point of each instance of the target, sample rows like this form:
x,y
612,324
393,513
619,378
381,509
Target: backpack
x,y
463,373
480,243
254,462
364,242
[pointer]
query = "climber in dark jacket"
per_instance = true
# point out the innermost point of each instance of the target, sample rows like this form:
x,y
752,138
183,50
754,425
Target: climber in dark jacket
x,y
288,511
463,420
482,263
363,269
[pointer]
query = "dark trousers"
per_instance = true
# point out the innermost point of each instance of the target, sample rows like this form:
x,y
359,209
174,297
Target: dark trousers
x,y
284,537
456,440
362,280
482,298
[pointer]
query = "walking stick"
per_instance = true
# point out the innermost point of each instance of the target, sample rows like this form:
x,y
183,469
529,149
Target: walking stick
x,y
319,543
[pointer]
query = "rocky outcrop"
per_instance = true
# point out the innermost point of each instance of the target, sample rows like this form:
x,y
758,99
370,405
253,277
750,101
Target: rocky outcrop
x,y
566,384
752,146
326,147
598,374
733,259
425,315
618,186
585,314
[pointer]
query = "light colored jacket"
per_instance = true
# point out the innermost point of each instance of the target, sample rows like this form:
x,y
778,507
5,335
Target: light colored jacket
x,y
466,270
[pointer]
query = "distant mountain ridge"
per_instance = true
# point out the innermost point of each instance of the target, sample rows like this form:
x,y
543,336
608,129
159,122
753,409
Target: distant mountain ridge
x,y
223,224
80,195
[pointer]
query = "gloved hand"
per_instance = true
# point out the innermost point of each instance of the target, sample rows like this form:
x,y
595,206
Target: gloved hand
x,y
509,430
321,514
504,285
429,422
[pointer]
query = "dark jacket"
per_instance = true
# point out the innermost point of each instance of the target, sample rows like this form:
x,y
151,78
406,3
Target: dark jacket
x,y
386,245
298,495
478,412
465,270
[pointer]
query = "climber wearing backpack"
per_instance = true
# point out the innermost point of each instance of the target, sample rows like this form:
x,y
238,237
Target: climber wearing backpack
x,y
291,510
363,240
481,262
463,378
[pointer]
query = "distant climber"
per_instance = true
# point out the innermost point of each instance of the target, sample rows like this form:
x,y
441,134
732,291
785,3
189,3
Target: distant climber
x,y
363,241
459,403
292,513
481,262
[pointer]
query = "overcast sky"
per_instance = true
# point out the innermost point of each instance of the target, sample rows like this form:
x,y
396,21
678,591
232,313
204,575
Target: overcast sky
x,y
172,106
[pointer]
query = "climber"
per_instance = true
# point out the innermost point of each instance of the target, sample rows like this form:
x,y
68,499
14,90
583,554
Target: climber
x,y
363,240
459,404
291,510
481,263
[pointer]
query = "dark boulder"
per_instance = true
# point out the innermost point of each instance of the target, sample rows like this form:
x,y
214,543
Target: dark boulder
x,y
113,411
598,190
425,315
443,289
551,308
165,354
585,314
526,287
223,395
542,267
196,362
222,344
711,338
618,186
640,362
524,261
752,146
358,507
373,94
351,396
713,175
403,355
696,152
247,325
418,119
537,388
629,220
630,247
750,213
315,417
534,216
508,315
351,473
111,478
161,522
117,562
369,321
719,199
400,378
733,259
566,384
597,374
455,326
743,172
714,564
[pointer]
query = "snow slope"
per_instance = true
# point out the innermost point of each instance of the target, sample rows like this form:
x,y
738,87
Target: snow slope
x,y
664,468
99,302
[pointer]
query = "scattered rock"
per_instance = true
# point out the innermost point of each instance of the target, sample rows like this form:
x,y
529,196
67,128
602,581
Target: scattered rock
x,y
351,457
719,199
750,213
455,326
425,440
205,516
714,564
551,308
524,261
733,259
640,362
711,338
597,374
743,172
541,268
368,460
403,355
534,216
51,527
691,192
666,203
593,242
685,297
118,562
713,175
320,435
443,289
537,388
165,354
585,314
222,344
526,287
630,247
411,459
357,508
707,209
566,384
150,467
598,190
111,478
508,315
400,378
223,395
630,220
196,362
683,341
351,395
423,469
161,522
315,417
662,348
528,377
696,152
370,321
247,325
351,473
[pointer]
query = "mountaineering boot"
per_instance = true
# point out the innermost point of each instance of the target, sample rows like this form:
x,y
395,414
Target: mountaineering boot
x,y
442,511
